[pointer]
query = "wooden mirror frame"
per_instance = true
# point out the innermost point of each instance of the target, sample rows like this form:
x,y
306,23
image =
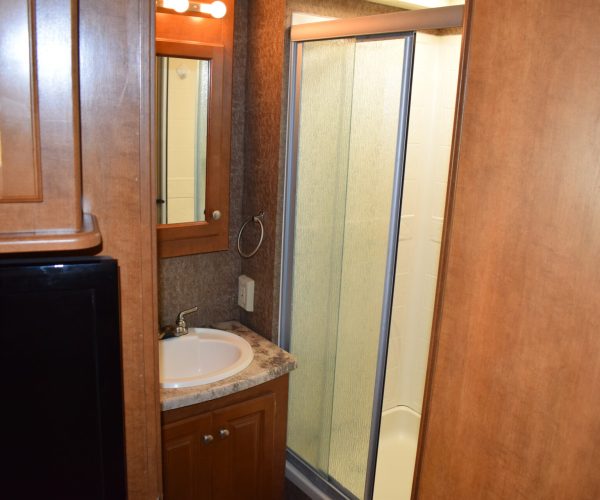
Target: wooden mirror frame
x,y
190,36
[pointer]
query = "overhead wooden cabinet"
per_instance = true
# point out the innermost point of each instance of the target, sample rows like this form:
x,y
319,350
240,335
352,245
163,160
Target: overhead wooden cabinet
x,y
40,158
512,410
229,448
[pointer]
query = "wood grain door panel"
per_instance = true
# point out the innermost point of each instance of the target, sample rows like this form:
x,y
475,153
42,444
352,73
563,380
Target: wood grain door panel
x,y
40,176
512,407
20,174
187,459
244,459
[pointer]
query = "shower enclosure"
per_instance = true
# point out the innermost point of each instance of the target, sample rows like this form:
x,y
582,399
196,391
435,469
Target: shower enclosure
x,y
347,149
344,185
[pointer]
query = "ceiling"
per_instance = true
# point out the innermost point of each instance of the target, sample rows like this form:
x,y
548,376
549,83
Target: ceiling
x,y
418,4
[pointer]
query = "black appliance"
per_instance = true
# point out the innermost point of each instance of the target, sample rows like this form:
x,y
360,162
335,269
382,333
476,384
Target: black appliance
x,y
60,377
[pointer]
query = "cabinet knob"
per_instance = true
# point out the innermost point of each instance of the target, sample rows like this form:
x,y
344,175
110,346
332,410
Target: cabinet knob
x,y
216,215
223,433
207,438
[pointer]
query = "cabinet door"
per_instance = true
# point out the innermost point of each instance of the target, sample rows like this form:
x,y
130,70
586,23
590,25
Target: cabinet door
x,y
187,458
244,452
40,177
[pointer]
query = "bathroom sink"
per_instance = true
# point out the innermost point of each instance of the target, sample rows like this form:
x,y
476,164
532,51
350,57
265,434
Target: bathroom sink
x,y
202,356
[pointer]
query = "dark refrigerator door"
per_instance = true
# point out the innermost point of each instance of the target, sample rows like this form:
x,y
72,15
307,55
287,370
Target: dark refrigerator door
x,y
62,432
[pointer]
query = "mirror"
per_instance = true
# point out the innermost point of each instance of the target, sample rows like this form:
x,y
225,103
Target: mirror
x,y
182,89
193,89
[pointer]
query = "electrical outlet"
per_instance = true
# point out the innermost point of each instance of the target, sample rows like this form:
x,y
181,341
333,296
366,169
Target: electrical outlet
x,y
246,293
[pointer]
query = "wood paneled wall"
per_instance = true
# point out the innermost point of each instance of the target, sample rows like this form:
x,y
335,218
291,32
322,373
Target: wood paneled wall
x,y
116,103
513,409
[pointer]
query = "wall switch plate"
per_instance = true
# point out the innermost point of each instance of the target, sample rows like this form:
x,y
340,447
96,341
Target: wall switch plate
x,y
246,293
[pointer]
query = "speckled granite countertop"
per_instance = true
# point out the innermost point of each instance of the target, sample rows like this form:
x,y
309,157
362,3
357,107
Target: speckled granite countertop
x,y
270,362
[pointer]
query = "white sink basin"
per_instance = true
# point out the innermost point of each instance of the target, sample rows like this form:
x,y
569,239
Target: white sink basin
x,y
202,356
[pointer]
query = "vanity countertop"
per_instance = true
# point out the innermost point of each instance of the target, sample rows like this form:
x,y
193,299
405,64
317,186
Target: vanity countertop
x,y
270,362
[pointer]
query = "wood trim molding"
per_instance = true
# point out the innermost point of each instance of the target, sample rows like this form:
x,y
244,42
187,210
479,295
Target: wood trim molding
x,y
88,237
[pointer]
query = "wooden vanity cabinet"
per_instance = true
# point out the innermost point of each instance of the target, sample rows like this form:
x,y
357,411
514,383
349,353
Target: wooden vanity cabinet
x,y
229,448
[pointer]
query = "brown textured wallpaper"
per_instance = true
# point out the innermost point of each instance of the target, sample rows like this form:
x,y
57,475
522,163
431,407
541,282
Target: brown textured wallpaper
x,y
210,280
266,21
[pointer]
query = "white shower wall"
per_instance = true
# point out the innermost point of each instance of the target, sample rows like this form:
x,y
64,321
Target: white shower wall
x,y
428,154
181,124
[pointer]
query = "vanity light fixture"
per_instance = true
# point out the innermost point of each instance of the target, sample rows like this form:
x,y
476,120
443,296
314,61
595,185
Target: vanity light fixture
x,y
215,9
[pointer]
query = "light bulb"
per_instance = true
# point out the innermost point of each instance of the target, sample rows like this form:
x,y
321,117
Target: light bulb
x,y
177,5
219,9
216,9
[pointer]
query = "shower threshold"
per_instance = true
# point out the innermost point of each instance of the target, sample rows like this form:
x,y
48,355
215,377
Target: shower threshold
x,y
313,484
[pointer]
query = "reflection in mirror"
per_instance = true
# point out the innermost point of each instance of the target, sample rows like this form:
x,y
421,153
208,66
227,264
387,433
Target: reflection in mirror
x,y
182,117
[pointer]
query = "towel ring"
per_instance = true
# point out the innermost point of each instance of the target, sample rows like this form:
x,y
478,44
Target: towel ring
x,y
259,220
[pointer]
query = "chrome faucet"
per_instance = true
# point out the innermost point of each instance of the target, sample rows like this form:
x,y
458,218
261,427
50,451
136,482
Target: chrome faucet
x,y
180,327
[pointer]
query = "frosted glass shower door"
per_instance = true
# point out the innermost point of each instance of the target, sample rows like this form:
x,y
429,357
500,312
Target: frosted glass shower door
x,y
321,178
347,119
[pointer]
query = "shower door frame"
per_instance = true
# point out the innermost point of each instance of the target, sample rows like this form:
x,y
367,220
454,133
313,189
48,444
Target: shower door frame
x,y
403,24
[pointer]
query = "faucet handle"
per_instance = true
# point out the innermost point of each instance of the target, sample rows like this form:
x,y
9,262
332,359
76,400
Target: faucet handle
x,y
180,321
182,314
